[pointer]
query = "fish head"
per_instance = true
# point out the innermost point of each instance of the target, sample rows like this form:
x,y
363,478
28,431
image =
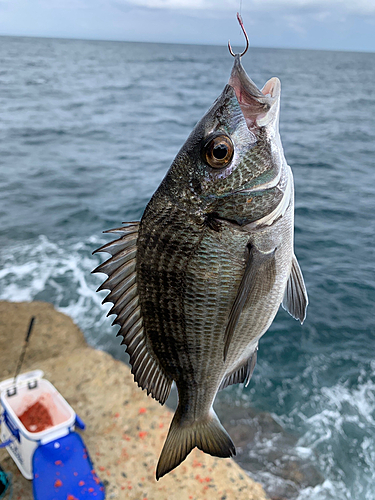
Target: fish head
x,y
232,162
260,108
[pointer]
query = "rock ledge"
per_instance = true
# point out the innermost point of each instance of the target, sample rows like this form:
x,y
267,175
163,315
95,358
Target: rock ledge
x,y
125,428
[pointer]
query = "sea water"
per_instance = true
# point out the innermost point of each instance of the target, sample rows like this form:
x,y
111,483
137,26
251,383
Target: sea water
x,y
88,130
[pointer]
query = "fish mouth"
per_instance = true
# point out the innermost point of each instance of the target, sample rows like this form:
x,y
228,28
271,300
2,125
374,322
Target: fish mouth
x,y
259,107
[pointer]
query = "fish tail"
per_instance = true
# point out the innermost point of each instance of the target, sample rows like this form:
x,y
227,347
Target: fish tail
x,y
206,434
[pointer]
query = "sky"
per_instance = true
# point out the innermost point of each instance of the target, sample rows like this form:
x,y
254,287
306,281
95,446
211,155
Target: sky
x,y
311,24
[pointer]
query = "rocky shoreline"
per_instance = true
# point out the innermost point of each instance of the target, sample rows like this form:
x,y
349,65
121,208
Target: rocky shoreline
x,y
125,428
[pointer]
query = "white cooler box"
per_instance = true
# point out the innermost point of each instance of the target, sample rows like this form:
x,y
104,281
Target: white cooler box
x,y
15,400
55,458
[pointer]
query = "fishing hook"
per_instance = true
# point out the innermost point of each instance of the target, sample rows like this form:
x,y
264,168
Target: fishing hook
x,y
239,18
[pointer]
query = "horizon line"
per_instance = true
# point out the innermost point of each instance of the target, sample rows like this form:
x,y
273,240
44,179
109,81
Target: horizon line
x,y
45,37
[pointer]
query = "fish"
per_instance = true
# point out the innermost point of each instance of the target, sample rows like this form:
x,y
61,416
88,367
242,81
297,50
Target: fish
x,y
199,279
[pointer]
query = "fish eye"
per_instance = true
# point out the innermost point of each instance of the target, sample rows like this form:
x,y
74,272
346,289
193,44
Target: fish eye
x,y
218,151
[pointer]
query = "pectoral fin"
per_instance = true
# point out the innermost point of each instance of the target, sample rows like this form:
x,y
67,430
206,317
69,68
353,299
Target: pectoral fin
x,y
295,298
257,280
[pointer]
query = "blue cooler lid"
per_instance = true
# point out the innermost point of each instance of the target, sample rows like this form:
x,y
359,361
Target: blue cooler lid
x,y
63,471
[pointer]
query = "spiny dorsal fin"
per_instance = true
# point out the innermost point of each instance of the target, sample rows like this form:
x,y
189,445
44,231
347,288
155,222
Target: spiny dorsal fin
x,y
122,283
295,299
242,373
258,279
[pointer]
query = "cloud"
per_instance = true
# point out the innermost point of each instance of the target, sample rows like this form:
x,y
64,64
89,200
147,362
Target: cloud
x,y
315,24
358,6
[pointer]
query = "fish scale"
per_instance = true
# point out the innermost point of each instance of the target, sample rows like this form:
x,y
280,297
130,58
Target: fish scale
x,y
164,287
213,262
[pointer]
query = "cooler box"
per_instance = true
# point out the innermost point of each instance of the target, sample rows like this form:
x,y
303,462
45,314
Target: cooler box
x,y
45,448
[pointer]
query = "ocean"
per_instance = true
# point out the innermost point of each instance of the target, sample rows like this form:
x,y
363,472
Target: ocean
x,y
88,129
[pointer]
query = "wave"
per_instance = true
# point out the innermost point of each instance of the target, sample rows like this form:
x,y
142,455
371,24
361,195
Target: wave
x,y
328,439
47,271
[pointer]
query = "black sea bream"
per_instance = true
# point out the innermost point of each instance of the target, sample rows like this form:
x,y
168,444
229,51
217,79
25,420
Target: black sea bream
x,y
200,278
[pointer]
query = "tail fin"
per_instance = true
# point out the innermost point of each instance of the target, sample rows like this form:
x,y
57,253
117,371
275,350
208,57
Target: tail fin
x,y
208,435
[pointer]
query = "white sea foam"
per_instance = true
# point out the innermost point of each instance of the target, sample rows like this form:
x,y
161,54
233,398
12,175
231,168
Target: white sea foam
x,y
334,416
329,490
345,421
61,275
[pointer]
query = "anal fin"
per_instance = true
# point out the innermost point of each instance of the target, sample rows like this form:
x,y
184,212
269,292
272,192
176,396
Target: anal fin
x,y
242,373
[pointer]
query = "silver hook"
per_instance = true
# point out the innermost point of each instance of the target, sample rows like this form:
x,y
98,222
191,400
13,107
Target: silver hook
x,y
239,18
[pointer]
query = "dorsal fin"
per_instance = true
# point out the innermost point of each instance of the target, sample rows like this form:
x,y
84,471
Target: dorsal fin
x,y
122,283
295,299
